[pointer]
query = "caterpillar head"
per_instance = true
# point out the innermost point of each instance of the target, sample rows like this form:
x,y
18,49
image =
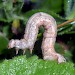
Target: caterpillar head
x,y
11,44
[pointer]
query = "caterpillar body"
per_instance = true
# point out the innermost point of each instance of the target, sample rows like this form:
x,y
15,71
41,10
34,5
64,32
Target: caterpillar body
x,y
30,36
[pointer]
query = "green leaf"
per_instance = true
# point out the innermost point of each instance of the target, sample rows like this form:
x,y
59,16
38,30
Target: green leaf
x,y
34,0
2,15
8,11
63,30
72,14
3,43
57,17
60,49
33,66
6,30
69,7
18,7
19,0
52,5
8,4
66,29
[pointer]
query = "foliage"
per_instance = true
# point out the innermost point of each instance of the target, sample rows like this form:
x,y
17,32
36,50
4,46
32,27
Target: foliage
x,y
3,43
14,15
69,7
34,66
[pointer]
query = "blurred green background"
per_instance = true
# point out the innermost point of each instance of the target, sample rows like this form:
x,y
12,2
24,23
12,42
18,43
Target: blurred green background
x,y
14,15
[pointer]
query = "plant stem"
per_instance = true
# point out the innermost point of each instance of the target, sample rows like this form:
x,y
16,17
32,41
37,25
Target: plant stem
x,y
64,23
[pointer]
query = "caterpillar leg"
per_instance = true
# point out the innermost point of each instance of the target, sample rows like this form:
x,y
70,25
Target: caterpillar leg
x,y
31,49
17,50
24,50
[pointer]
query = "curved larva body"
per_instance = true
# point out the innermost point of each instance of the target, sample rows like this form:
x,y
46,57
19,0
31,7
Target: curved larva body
x,y
31,33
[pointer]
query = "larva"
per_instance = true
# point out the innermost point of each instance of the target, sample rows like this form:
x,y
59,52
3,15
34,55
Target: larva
x,y
30,36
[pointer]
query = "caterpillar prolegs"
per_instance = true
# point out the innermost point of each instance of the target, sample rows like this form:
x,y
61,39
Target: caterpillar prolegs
x,y
30,36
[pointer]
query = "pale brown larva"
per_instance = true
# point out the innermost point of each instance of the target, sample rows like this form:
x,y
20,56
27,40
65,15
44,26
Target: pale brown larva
x,y
30,36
